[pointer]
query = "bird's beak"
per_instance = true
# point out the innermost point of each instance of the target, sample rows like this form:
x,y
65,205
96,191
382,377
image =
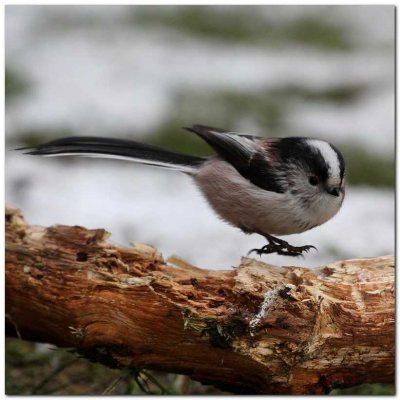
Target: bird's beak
x,y
334,191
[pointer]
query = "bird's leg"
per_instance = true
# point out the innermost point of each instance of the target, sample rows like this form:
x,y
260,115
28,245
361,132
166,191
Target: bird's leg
x,y
281,247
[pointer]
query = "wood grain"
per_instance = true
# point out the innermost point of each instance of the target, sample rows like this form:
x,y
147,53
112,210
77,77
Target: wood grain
x,y
256,328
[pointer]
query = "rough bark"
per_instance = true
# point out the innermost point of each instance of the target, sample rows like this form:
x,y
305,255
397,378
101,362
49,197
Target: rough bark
x,y
256,328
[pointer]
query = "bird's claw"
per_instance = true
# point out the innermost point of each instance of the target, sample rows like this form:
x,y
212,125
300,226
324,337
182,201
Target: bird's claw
x,y
283,249
267,249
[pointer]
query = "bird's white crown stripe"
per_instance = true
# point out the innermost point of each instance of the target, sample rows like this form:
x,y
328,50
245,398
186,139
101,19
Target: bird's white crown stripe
x,y
329,155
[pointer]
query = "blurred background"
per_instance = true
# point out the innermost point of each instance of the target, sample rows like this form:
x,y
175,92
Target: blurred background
x,y
143,72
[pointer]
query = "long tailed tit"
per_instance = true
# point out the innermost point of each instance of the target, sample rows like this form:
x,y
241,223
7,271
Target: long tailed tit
x,y
261,185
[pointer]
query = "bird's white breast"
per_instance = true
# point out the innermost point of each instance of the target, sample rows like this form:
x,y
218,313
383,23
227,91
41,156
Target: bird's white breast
x,y
247,206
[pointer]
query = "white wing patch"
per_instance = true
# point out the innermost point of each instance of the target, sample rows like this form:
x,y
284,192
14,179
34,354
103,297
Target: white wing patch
x,y
329,155
246,142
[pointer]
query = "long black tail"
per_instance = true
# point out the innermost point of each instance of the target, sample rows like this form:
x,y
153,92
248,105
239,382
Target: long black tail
x,y
128,150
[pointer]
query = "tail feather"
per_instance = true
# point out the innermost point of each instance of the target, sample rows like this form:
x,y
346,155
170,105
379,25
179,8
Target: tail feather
x,y
119,149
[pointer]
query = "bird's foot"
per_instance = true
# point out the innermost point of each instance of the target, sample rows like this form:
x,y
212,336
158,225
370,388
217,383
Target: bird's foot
x,y
282,248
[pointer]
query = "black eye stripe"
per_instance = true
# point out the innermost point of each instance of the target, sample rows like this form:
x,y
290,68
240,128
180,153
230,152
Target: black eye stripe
x,y
299,151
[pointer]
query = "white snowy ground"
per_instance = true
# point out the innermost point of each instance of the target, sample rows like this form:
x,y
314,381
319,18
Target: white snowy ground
x,y
106,77
164,209
102,75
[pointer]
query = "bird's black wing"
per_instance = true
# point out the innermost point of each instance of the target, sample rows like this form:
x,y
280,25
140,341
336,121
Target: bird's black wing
x,y
244,153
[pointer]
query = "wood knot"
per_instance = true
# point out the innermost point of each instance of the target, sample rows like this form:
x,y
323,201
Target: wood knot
x,y
285,293
327,271
81,256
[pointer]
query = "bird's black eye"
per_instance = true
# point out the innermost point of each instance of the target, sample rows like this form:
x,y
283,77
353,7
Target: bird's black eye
x,y
313,180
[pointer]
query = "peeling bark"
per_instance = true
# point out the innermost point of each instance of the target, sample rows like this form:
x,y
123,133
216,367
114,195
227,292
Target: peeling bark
x,y
256,328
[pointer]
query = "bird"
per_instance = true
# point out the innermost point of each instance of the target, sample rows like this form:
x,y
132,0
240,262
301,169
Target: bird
x,y
267,186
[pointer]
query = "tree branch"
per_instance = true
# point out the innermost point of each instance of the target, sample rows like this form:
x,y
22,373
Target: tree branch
x,y
253,329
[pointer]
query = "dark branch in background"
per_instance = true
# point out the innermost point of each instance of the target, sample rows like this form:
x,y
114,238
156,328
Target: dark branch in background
x,y
254,329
